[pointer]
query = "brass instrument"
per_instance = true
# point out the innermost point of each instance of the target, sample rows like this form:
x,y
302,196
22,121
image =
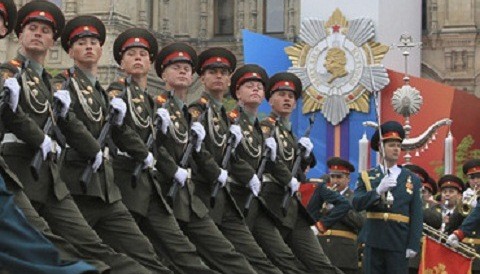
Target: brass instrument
x,y
466,206
440,237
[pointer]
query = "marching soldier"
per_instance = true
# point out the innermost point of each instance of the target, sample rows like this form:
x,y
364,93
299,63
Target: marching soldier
x,y
340,241
247,87
293,220
27,250
99,199
174,64
391,196
134,50
39,24
215,66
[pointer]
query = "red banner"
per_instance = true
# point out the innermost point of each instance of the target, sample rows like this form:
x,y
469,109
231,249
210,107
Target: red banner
x,y
437,259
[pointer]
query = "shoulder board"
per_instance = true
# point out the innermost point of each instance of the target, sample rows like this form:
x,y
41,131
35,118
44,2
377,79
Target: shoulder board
x,y
121,80
194,112
203,101
161,99
16,63
233,115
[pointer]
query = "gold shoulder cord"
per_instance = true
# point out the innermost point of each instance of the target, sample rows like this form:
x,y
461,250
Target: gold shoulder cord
x,y
95,116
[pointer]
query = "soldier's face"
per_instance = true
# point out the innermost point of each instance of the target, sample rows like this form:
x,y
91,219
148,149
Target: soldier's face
x,y
474,181
251,93
392,150
283,102
36,37
451,194
216,79
339,180
3,29
136,61
178,75
86,51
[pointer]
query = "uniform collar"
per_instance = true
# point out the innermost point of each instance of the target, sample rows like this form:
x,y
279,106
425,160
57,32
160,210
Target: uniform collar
x,y
92,78
180,104
36,66
213,100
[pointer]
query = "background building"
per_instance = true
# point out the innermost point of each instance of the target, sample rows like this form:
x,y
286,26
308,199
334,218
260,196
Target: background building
x,y
201,23
449,54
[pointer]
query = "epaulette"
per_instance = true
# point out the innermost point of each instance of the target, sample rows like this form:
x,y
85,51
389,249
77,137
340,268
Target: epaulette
x,y
267,125
233,115
161,99
114,93
9,68
198,107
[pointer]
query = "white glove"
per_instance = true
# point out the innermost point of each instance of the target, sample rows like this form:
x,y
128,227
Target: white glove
x,y
294,185
270,143
329,206
200,131
98,161
237,132
386,183
46,146
307,144
181,176
410,253
58,148
467,195
222,178
452,240
148,162
14,87
315,230
255,185
166,121
121,108
64,97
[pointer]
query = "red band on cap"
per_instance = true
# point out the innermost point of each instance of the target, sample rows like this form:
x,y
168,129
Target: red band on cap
x,y
475,169
427,185
213,60
135,42
180,55
339,168
40,13
451,184
248,76
283,85
83,29
391,135
4,11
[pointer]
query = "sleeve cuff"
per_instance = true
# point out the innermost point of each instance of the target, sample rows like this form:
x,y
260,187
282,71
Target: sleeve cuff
x,y
459,233
320,227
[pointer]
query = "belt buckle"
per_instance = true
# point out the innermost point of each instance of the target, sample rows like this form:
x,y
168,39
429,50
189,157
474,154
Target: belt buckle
x,y
385,216
328,232
470,241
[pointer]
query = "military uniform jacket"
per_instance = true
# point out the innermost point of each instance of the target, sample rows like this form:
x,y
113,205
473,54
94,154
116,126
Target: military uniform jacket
x,y
216,125
471,226
245,163
391,235
139,117
170,148
90,104
342,251
36,96
273,190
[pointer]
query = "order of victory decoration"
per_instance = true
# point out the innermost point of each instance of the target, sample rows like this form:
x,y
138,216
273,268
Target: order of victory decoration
x,y
339,65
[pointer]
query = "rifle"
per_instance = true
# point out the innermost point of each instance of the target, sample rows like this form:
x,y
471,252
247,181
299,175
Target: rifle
x,y
137,171
229,150
260,170
296,165
102,141
51,128
172,192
